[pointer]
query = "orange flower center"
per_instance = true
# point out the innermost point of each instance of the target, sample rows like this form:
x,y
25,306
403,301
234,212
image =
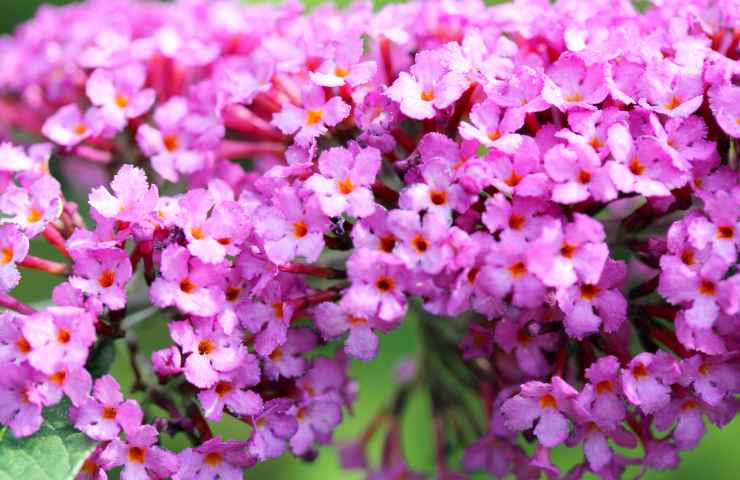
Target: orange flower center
x,y
300,229
687,257
427,95
420,244
106,279
222,388
725,232
6,255
171,142
136,455
568,250
689,405
357,320
385,284
345,186
314,116
63,336
589,292
387,243
493,136
584,176
34,215
23,345
122,101
80,129
89,467
639,371
341,72
187,285
276,355
604,386
575,97
277,309
197,233
206,347
233,293
473,274
213,459
707,288
675,102
438,197
109,413
58,377
513,180
518,269
516,221
548,401
637,167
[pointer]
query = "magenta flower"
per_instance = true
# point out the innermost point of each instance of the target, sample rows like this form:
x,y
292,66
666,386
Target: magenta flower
x,y
519,173
422,242
291,228
21,401
103,415
711,377
59,336
343,185
315,117
646,380
428,87
439,193
74,382
180,145
548,404
493,127
725,103
316,420
271,430
13,249
522,90
102,273
211,352
671,90
343,66
506,273
378,283
595,439
187,283
288,359
139,455
119,94
523,336
68,126
231,392
590,306
559,257
33,207
14,348
333,321
571,83
213,459
602,396
577,174
134,198
269,321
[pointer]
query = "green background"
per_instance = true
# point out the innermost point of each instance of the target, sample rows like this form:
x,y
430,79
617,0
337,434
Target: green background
x,y
717,457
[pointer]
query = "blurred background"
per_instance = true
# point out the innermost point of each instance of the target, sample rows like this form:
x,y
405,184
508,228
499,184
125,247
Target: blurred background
x,y
716,458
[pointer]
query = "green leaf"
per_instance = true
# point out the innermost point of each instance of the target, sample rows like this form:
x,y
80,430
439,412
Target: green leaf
x,y
101,358
55,452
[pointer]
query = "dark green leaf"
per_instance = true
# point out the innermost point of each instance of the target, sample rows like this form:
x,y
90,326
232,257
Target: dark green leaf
x,y
101,358
55,452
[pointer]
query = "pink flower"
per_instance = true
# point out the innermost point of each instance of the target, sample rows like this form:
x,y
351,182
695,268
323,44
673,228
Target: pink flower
x,y
506,273
519,173
602,396
102,273
671,90
288,360
522,90
559,257
13,249
590,306
493,127
523,336
577,173
314,119
139,455
316,418
272,428
33,207
422,241
119,94
187,283
214,459
68,126
646,380
104,414
548,403
59,336
211,351
231,392
429,86
21,402
291,227
378,283
344,181
134,198
571,83
333,321
439,193
343,66
725,103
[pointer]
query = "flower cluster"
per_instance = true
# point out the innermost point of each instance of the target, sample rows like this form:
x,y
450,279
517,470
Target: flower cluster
x,y
554,186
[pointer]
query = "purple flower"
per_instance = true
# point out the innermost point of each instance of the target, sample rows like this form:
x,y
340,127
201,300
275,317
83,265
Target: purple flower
x,y
13,249
492,127
138,455
134,198
316,420
21,401
725,103
231,391
646,380
422,241
187,283
68,126
523,336
211,351
59,336
429,86
288,360
74,382
333,321
213,459
291,228
119,95
314,119
571,83
577,174
506,273
521,90
671,90
271,430
438,193
589,306
601,397
33,207
343,67
102,273
344,181
548,404
104,414
377,287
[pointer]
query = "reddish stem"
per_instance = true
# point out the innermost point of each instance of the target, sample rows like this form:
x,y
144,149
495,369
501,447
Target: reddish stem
x,y
231,149
312,270
44,265
533,125
12,303
404,140
55,238
384,192
462,107
385,55
669,340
